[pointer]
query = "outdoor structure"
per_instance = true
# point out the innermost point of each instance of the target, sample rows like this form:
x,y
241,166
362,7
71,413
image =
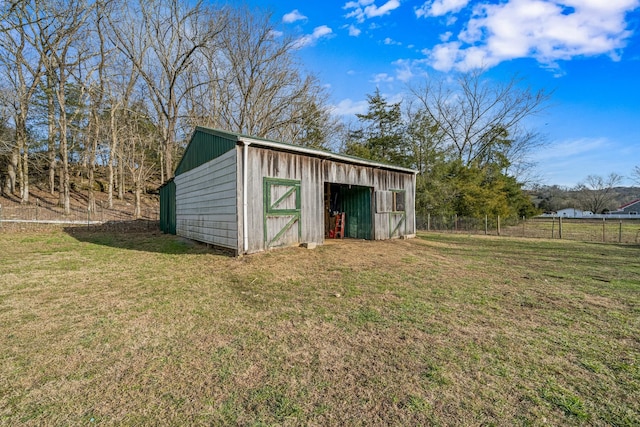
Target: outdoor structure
x,y
631,209
249,194
569,213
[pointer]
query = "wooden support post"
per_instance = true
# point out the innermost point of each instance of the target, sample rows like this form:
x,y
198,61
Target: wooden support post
x,y
498,225
620,232
560,227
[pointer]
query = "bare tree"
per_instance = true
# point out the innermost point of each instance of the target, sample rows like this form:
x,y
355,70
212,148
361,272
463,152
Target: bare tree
x,y
7,138
97,91
62,48
162,46
22,67
596,192
260,86
481,119
635,175
138,152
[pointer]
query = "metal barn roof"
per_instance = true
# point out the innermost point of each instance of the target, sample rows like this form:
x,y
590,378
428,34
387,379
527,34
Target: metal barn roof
x,y
207,144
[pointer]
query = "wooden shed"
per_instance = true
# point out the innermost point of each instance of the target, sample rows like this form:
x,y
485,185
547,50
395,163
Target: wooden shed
x,y
249,194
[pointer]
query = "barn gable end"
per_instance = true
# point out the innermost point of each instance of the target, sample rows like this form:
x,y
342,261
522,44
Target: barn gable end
x,y
205,145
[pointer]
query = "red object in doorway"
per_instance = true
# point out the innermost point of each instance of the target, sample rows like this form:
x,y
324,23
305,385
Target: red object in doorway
x,y
339,231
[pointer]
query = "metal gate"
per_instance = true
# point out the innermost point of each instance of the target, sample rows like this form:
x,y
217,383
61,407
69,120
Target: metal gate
x,y
282,225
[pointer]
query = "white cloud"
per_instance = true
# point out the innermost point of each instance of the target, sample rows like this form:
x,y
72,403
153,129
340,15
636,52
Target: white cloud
x,y
366,9
347,107
440,7
568,161
571,148
389,41
404,73
547,30
382,78
354,31
311,39
293,16
446,36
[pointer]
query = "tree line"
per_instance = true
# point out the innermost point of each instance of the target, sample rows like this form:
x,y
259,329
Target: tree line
x,y
466,138
599,194
120,85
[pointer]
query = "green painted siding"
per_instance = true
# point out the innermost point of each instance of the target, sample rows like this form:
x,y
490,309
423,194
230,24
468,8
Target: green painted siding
x,y
168,207
205,145
356,204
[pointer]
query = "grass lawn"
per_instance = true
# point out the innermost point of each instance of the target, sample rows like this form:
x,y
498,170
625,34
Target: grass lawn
x,y
149,329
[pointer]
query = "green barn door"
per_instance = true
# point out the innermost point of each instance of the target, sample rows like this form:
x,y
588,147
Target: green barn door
x,y
356,204
281,212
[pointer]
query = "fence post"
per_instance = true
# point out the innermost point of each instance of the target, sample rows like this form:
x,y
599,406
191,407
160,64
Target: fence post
x,y
428,222
498,225
620,233
455,222
0,216
560,227
37,205
523,224
486,225
604,238
553,227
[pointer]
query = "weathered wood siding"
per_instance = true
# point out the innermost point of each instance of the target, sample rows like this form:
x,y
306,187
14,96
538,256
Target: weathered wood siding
x,y
207,202
313,172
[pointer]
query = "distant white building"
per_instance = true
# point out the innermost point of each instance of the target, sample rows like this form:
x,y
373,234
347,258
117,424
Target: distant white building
x,y
630,210
573,213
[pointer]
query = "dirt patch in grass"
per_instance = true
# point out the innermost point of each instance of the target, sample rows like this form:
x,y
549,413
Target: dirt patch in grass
x,y
144,328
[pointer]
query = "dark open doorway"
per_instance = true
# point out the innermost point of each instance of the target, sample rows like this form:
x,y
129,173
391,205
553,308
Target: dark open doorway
x,y
355,202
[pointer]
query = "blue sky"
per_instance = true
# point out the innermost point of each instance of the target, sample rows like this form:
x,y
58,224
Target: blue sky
x,y
586,51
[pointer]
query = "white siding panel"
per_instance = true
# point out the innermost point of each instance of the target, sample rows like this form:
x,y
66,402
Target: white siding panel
x,y
206,205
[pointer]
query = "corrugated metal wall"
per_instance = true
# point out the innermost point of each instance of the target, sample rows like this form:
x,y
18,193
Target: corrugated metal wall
x,y
313,173
168,207
207,202
356,204
205,145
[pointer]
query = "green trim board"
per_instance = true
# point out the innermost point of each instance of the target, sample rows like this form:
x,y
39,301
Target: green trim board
x,y
281,207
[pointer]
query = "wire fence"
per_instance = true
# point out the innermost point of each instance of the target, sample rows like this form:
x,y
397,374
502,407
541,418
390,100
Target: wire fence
x,y
39,215
605,230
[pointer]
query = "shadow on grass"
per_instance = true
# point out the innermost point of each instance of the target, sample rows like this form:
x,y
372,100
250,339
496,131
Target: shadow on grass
x,y
140,235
